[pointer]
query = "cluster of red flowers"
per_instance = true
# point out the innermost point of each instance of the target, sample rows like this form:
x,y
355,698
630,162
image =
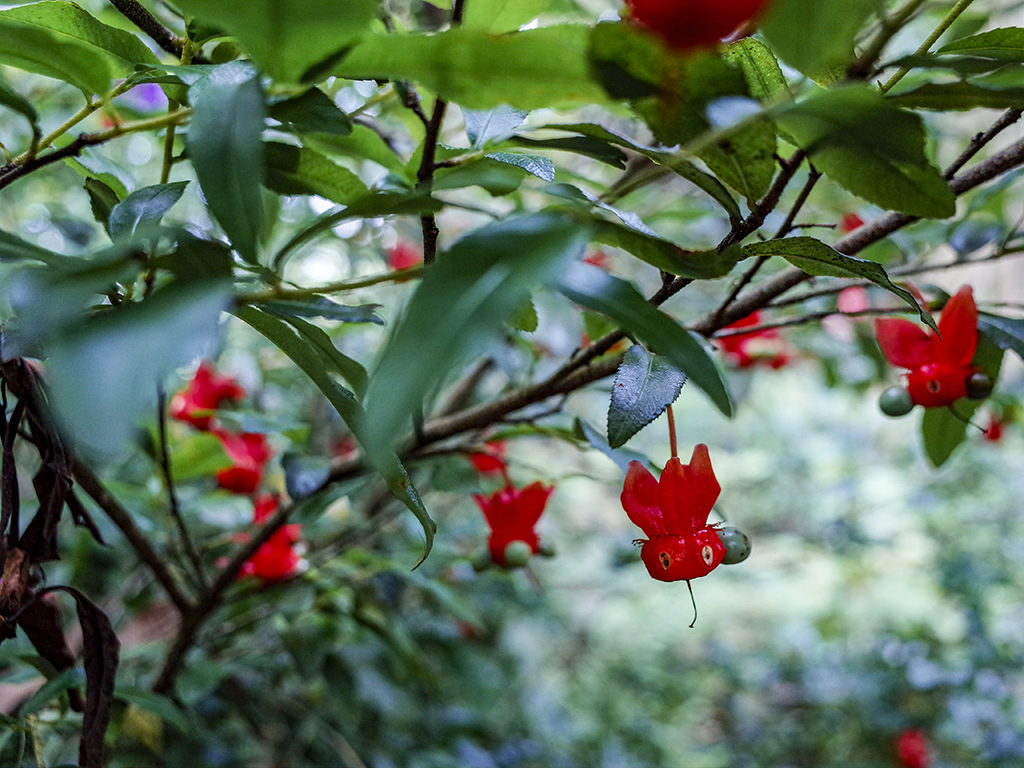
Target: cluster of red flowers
x,y
249,453
512,513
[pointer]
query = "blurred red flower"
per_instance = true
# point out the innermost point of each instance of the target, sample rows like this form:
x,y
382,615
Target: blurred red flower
x,y
850,222
512,514
940,364
673,514
912,749
276,559
994,431
203,395
491,460
249,453
404,255
687,24
598,259
763,347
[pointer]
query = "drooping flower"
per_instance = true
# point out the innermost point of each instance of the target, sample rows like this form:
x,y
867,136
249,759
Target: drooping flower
x,y
203,395
762,347
512,514
276,559
673,514
912,749
491,460
688,24
403,255
940,364
249,453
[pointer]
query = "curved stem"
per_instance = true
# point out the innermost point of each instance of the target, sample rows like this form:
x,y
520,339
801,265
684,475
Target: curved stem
x,y
945,24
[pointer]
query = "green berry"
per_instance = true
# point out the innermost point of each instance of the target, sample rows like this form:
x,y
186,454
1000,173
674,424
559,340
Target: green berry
x,y
737,545
979,385
895,401
517,554
546,550
481,560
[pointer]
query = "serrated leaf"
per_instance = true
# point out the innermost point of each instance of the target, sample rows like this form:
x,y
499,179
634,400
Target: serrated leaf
x,y
871,148
746,160
224,144
462,301
958,96
312,111
581,145
943,429
527,70
525,319
288,39
538,166
295,170
595,289
311,360
820,260
321,306
63,41
487,125
666,256
644,386
144,206
102,199
1004,44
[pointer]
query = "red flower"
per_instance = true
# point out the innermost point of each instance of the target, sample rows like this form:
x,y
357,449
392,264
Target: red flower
x,y
491,460
203,395
996,426
674,515
249,453
404,255
686,24
512,513
276,559
912,749
939,364
850,222
764,347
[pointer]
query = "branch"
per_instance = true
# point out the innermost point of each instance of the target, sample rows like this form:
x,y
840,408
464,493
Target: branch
x,y
149,24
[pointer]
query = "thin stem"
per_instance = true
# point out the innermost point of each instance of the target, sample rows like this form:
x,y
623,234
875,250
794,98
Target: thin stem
x,y
149,24
172,495
889,27
278,293
673,446
693,601
945,24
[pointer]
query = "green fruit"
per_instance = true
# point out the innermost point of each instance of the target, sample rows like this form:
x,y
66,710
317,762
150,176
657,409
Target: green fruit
x,y
517,554
895,401
481,560
546,550
737,545
979,385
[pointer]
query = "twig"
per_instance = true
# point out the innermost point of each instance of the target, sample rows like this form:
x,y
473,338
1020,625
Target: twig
x,y
149,24
945,24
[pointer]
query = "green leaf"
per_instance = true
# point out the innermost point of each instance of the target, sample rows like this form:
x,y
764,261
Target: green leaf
x,y
502,15
487,125
535,68
820,260
645,385
288,39
363,144
312,361
295,170
198,455
871,148
225,147
63,41
161,706
943,429
102,199
816,38
958,96
50,690
525,319
1005,44
536,165
18,103
581,145
312,111
595,289
103,373
321,306
666,256
621,456
497,177
1004,332
13,248
462,300
761,69
351,370
746,160
144,206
